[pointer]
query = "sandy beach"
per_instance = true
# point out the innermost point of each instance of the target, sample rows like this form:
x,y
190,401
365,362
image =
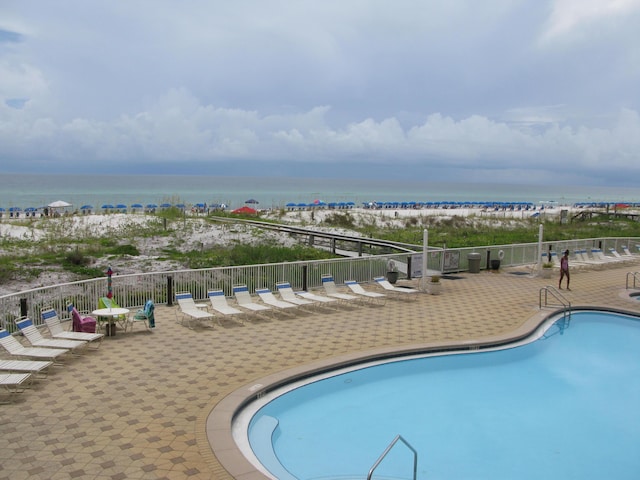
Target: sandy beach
x,y
24,235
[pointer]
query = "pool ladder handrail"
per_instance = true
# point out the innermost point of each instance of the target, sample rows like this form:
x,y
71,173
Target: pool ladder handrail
x,y
566,304
635,276
388,449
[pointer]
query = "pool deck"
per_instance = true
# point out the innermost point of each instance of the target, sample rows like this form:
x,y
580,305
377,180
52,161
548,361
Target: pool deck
x,y
138,407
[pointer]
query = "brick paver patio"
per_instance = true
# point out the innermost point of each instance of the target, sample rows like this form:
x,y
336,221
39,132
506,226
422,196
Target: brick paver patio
x,y
137,408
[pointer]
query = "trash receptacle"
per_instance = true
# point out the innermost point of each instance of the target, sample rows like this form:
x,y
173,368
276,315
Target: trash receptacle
x,y
474,262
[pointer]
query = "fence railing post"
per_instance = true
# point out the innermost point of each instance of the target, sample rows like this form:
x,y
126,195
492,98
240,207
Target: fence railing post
x,y
169,291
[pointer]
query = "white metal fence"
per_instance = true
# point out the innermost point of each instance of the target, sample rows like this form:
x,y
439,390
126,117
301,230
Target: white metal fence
x,y
134,290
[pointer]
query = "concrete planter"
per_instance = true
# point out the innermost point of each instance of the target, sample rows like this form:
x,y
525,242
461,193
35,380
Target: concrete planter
x,y
434,288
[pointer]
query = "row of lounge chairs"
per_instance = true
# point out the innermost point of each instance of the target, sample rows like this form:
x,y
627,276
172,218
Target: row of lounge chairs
x,y
33,361
593,257
266,302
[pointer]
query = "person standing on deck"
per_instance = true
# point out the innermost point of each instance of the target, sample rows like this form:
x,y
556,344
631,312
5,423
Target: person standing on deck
x,y
564,269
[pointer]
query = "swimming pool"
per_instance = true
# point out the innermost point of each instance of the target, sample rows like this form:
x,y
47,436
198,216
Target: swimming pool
x,y
565,406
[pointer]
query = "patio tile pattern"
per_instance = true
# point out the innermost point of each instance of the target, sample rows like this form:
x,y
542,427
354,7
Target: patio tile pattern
x,y
137,407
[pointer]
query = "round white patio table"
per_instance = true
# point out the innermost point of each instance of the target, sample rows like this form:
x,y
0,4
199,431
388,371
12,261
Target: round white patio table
x,y
111,314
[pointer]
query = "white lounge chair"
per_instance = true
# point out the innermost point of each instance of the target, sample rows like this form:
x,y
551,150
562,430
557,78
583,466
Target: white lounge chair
x,y
626,252
244,300
37,368
317,298
219,304
52,321
288,295
389,287
15,348
190,310
13,383
35,338
269,298
583,255
599,255
332,290
356,288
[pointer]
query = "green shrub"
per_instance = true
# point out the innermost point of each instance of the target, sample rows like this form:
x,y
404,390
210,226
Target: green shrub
x,y
342,220
77,258
124,250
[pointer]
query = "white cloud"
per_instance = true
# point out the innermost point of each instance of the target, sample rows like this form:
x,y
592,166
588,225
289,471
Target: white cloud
x,y
576,17
178,128
463,85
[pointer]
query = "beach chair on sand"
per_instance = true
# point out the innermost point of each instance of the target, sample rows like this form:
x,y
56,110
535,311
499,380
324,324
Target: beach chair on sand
x,y
288,295
332,291
35,338
356,288
269,298
16,349
52,321
219,305
189,310
244,300
400,292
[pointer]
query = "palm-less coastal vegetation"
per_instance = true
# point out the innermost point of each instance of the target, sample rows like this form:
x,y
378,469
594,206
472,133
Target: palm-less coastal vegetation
x,y
63,249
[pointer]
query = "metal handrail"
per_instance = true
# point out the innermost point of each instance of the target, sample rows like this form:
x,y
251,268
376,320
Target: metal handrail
x,y
388,449
566,304
635,276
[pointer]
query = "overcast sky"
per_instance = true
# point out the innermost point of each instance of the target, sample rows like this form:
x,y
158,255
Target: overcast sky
x,y
522,91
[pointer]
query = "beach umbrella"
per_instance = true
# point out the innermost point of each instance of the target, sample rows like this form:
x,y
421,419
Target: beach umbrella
x,y
86,207
252,200
121,206
180,206
109,290
15,209
152,205
59,204
2,209
136,205
107,206
199,205
246,210
290,204
165,205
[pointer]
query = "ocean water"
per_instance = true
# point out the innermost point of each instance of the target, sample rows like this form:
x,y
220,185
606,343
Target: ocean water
x,y
39,190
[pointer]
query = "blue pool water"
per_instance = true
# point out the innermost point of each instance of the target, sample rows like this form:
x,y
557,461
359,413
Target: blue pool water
x,y
564,406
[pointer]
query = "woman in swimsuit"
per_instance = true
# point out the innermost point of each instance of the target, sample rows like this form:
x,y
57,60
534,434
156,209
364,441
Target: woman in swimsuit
x,y
564,269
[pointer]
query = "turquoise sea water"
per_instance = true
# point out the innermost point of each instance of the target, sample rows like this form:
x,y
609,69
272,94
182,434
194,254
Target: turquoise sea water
x,y
564,406
39,190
